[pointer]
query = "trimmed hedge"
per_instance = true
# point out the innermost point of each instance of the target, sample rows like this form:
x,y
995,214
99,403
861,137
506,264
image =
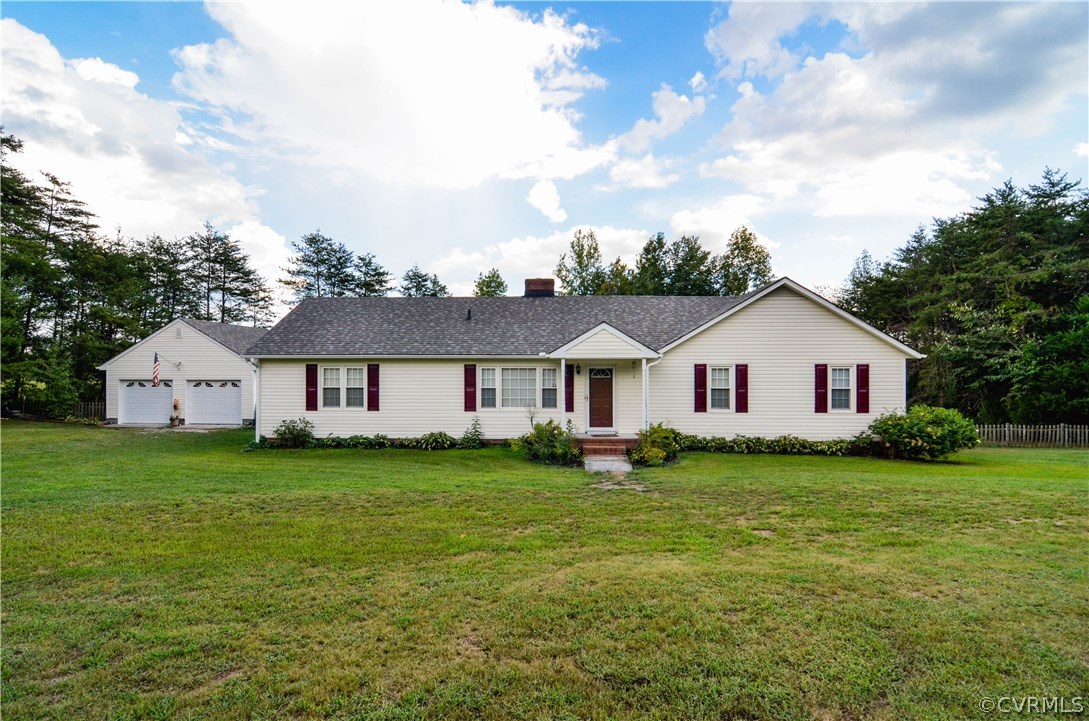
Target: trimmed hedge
x,y
660,444
299,433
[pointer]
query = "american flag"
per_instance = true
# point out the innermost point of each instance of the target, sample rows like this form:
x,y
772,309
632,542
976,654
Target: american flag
x,y
155,372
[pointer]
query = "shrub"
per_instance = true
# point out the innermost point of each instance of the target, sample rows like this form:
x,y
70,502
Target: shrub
x,y
658,444
925,432
549,443
298,433
784,445
473,437
437,441
259,445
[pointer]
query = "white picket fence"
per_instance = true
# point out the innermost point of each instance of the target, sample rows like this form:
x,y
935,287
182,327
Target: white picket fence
x,y
1061,435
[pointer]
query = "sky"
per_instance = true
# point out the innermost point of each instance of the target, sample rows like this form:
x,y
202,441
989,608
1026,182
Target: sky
x,y
463,136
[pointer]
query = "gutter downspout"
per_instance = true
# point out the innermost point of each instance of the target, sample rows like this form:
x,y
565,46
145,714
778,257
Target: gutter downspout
x,y
646,390
256,400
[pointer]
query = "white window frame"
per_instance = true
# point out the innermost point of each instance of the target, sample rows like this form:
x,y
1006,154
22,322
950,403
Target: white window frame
x,y
711,388
342,371
534,401
850,388
555,387
498,369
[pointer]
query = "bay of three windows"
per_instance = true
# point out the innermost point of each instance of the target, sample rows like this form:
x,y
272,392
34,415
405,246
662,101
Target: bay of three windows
x,y
517,387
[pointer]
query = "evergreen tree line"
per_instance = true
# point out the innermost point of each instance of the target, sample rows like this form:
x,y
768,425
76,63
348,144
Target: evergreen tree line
x,y
998,299
663,267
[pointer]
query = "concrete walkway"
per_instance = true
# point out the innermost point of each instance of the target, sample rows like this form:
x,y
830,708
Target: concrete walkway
x,y
607,464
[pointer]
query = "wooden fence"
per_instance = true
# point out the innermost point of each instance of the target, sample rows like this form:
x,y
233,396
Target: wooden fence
x,y
95,409
1060,435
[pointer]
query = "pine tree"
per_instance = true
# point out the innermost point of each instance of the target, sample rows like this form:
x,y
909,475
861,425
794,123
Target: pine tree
x,y
490,285
321,268
417,284
371,279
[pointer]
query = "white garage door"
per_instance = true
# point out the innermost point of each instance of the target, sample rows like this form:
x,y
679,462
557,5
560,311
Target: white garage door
x,y
140,402
217,403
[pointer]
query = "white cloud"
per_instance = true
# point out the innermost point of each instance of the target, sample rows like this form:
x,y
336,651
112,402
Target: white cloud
x,y
445,95
1082,150
645,172
100,70
715,224
544,197
698,83
532,257
671,112
901,129
123,152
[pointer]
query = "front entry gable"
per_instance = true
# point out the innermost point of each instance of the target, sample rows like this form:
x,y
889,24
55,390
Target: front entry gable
x,y
603,341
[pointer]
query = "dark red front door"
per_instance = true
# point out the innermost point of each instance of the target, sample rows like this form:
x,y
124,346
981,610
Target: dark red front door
x,y
601,398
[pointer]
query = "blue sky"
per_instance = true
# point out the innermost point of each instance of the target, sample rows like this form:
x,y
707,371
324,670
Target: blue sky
x,y
463,137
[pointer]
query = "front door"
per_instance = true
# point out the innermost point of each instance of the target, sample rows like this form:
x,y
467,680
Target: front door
x,y
601,398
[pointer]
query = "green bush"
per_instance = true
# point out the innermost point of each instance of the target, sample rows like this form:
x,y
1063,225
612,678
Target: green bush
x,y
925,432
437,441
260,444
473,437
549,443
783,445
657,445
298,433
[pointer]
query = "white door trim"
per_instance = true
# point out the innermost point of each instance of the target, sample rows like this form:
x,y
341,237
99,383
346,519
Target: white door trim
x,y
611,428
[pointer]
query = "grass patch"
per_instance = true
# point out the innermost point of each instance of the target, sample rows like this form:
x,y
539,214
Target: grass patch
x,y
168,575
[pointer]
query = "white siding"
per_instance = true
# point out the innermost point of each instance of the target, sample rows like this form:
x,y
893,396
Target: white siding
x,y
415,397
201,358
421,396
603,344
781,337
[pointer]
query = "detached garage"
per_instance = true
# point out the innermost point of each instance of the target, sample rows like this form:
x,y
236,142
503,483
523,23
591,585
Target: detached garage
x,y
203,376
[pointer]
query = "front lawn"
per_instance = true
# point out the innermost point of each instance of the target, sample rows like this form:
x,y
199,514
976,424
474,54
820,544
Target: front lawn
x,y
168,575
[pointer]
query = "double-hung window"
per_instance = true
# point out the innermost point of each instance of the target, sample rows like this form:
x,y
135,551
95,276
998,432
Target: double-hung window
x,y
519,387
720,388
841,388
355,387
330,388
548,387
487,387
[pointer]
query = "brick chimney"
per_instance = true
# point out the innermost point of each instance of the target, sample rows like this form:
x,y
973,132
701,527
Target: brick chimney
x,y
540,287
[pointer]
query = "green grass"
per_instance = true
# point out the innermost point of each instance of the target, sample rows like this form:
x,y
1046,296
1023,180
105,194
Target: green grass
x,y
168,575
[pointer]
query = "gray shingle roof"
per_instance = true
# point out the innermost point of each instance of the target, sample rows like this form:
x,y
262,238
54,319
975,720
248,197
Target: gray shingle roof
x,y
236,337
498,326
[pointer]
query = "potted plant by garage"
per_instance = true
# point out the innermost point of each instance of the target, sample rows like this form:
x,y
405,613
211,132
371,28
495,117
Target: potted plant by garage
x,y
175,419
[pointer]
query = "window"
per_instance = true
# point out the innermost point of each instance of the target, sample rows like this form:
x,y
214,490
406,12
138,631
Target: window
x,y
330,387
720,388
487,387
355,387
841,388
519,387
548,388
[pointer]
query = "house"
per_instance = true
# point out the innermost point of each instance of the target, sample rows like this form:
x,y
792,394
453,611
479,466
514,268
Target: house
x,y
778,360
202,373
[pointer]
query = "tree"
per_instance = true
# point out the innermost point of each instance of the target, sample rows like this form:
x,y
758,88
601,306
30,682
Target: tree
x,y
417,284
320,268
580,271
992,297
618,280
652,271
490,285
744,266
221,272
691,268
371,279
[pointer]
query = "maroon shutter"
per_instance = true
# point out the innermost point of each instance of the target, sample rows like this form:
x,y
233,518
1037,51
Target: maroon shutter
x,y
862,401
311,386
741,378
470,387
701,388
372,386
820,388
568,390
